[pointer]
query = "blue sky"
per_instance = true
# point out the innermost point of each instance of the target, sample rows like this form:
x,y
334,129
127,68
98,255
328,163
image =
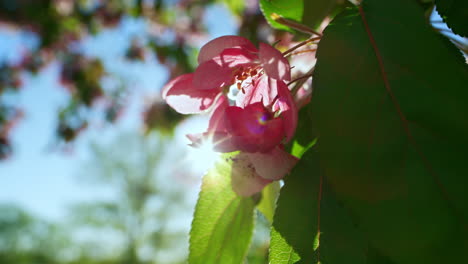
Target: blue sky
x,y
38,177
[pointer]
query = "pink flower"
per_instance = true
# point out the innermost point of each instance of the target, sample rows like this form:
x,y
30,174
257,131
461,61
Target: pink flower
x,y
259,132
254,127
262,117
225,61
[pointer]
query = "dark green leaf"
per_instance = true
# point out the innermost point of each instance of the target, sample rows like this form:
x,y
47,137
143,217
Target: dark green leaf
x,y
223,222
390,110
317,10
455,14
290,9
298,232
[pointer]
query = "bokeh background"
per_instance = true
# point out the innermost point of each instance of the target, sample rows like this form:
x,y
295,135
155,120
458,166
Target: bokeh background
x,y
94,166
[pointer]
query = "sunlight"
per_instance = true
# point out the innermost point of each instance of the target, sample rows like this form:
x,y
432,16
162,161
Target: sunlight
x,y
204,157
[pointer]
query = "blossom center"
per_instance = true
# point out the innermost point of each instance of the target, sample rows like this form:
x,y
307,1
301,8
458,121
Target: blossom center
x,y
244,77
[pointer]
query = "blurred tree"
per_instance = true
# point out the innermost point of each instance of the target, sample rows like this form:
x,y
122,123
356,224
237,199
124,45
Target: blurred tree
x,y
61,25
145,207
27,239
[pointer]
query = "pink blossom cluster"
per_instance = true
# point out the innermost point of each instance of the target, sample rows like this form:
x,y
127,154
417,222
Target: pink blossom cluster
x,y
252,109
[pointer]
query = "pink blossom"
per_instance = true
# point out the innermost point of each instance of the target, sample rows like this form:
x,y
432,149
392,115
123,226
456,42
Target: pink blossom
x,y
257,123
259,132
253,127
225,61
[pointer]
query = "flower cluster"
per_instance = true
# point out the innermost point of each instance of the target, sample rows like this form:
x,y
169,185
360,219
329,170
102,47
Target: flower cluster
x,y
252,109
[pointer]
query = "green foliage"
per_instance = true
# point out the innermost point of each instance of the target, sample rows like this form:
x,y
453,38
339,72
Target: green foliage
x,y
267,205
290,9
455,14
223,222
317,10
280,251
389,115
324,231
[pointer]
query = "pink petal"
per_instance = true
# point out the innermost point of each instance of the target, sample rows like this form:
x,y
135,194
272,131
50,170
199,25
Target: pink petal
x,y
233,57
217,119
303,96
244,180
274,63
287,107
219,70
273,165
260,91
181,95
221,141
217,45
253,128
211,75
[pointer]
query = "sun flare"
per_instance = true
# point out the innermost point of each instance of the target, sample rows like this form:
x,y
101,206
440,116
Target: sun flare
x,y
203,157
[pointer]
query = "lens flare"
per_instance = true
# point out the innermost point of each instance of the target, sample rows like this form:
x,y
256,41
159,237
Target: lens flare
x,y
203,157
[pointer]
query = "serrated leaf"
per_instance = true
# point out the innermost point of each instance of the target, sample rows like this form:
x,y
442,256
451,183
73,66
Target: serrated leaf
x,y
290,9
389,106
280,251
223,222
455,14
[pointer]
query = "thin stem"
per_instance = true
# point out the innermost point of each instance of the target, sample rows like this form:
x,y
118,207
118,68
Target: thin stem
x,y
299,78
300,81
309,40
301,51
276,42
293,24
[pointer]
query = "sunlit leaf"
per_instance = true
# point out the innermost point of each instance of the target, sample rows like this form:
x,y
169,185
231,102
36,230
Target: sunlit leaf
x,y
267,205
280,251
223,222
290,9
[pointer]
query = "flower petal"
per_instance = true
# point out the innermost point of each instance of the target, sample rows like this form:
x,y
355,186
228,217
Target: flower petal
x,y
219,70
221,141
259,91
274,63
287,107
186,99
217,119
245,181
217,45
273,165
211,75
253,128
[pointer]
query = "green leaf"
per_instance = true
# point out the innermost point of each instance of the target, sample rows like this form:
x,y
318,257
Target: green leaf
x,y
290,9
304,230
455,14
280,251
267,205
390,107
317,10
223,222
